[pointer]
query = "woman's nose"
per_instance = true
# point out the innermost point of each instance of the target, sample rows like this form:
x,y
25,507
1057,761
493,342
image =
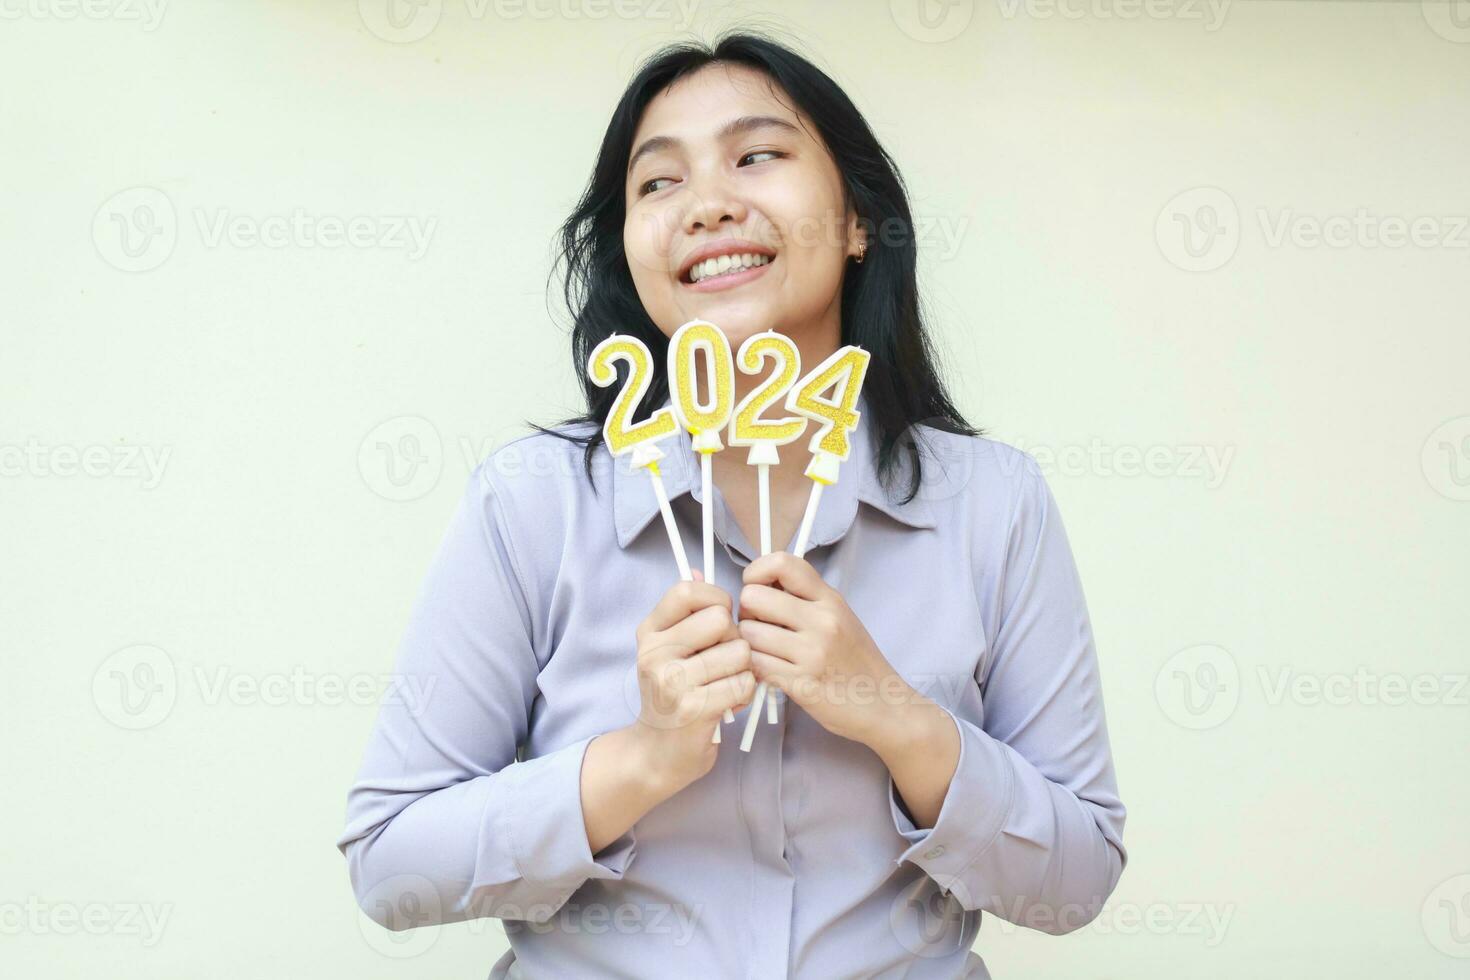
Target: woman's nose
x,y
711,203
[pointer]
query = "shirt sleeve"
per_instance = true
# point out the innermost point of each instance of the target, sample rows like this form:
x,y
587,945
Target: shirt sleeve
x,y
1031,827
443,823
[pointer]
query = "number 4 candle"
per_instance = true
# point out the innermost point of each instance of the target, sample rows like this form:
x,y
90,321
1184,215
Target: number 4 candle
x,y
838,418
832,443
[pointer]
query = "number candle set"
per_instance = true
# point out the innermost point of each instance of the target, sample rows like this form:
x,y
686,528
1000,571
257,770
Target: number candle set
x,y
704,417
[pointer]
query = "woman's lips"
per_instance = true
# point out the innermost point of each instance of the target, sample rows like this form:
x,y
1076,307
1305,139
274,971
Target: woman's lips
x,y
729,280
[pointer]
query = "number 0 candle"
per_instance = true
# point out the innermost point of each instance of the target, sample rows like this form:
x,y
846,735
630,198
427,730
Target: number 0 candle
x,y
703,417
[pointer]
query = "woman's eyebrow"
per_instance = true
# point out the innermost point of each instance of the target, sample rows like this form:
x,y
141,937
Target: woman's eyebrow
x,y
734,127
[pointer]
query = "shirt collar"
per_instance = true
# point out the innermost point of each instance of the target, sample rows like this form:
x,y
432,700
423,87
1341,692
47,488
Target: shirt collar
x,y
635,506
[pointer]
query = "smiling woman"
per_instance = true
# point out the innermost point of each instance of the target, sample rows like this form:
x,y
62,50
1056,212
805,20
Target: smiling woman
x,y
946,752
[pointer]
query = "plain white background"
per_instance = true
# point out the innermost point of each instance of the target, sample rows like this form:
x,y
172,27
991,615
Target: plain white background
x,y
1208,263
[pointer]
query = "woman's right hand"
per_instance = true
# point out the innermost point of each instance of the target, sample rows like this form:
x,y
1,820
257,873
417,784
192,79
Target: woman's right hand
x,y
692,666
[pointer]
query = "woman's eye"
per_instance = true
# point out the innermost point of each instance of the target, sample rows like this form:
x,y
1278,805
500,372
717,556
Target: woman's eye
x,y
763,153
650,186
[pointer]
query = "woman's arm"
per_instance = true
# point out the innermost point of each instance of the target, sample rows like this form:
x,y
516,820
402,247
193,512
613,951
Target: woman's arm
x,y
619,786
1021,818
443,823
920,745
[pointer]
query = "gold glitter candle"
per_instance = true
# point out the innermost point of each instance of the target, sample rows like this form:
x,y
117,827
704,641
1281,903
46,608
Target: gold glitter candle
x,y
837,417
703,418
621,435
747,428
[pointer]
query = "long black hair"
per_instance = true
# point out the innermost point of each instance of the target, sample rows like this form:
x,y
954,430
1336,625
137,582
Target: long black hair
x,y
880,300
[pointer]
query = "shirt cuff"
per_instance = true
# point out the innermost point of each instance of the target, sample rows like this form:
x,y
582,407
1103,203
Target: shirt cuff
x,y
543,822
974,811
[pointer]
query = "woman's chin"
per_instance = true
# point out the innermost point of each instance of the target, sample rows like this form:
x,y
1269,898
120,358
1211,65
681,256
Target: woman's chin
x,y
738,321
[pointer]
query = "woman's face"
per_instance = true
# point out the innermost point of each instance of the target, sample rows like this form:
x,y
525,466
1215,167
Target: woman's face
x,y
720,166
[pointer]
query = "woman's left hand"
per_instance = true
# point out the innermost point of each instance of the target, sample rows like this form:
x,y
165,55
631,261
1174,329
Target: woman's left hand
x,y
807,642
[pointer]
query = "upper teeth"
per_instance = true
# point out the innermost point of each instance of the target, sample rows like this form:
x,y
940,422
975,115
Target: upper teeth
x,y
724,263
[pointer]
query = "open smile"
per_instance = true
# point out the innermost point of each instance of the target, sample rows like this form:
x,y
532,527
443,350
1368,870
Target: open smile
x,y
725,265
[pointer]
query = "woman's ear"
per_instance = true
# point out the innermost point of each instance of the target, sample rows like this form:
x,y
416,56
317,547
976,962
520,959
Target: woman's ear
x,y
857,238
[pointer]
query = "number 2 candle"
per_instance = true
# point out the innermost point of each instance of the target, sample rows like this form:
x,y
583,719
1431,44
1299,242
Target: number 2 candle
x,y
764,436
639,441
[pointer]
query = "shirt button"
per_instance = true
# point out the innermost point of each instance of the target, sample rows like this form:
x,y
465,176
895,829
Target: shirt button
x,y
935,851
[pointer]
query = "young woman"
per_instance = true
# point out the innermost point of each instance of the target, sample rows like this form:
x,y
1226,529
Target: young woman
x,y
940,749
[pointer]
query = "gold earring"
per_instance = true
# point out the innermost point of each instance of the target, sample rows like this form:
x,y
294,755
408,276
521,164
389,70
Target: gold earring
x,y
862,252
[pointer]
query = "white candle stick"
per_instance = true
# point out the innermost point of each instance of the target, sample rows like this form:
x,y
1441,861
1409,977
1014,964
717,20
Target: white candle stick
x,y
763,482
804,534
706,486
646,457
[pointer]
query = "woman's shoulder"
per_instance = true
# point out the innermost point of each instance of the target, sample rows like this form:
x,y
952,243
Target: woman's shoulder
x,y
528,465
973,470
534,491
988,494
537,481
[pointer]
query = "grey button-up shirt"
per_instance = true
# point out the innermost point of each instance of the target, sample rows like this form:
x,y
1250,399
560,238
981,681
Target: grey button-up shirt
x,y
796,859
